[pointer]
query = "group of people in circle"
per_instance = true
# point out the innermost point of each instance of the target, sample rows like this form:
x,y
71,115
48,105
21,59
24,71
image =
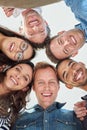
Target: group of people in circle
x,y
18,75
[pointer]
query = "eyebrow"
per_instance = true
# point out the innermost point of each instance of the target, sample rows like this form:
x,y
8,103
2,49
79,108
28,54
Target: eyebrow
x,y
70,63
64,73
25,43
65,52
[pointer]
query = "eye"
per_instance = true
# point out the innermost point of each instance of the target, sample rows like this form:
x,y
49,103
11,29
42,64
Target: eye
x,y
66,51
18,69
52,83
25,78
24,46
40,83
19,56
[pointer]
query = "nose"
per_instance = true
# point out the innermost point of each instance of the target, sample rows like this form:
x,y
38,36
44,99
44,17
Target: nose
x,y
18,76
35,28
47,87
66,43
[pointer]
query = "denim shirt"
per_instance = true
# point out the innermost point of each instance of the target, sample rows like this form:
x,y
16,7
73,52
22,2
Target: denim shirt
x,y
79,8
52,118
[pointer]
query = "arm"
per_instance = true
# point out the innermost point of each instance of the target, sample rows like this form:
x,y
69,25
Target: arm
x,y
11,11
8,11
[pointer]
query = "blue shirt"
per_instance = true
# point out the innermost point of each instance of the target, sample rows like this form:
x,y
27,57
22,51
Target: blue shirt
x,y
52,118
79,8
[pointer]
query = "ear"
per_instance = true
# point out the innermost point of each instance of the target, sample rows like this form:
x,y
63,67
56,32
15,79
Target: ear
x,y
25,89
74,54
69,86
61,32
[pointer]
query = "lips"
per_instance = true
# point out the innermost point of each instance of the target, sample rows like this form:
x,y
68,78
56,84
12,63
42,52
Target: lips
x,y
13,80
11,47
79,75
46,94
73,40
34,22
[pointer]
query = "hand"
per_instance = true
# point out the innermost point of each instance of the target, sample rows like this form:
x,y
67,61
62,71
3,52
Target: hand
x,y
80,109
2,67
8,11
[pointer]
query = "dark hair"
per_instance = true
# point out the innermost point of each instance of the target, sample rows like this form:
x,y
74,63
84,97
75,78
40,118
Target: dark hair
x,y
11,104
41,45
15,100
6,32
11,64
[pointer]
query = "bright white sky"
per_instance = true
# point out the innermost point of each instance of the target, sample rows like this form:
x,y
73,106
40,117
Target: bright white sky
x,y
59,17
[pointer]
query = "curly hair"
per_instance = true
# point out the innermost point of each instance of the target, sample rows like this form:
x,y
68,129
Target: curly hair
x,y
14,101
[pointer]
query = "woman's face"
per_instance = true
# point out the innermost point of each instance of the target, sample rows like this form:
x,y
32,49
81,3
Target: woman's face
x,y
18,77
16,49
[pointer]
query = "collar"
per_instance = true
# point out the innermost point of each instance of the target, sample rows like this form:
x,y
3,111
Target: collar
x,y
55,105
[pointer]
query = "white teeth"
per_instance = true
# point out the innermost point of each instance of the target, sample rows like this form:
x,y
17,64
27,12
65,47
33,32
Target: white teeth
x,y
73,39
12,46
46,94
14,81
79,76
33,22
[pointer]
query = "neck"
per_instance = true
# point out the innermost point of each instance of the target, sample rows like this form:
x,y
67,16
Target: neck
x,y
84,87
3,89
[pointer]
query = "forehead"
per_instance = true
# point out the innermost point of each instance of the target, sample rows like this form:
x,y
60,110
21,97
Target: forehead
x,y
44,72
24,67
64,65
32,12
57,50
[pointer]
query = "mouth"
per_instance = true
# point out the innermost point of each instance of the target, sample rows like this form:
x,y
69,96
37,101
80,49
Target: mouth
x,y
13,80
33,21
73,40
79,75
11,47
46,94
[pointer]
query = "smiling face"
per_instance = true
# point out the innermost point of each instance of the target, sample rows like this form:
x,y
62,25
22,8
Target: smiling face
x,y
18,77
72,73
67,43
16,49
35,27
46,86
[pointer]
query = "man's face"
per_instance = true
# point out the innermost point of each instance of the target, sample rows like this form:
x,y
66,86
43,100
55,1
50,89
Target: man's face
x,y
35,27
72,73
67,44
46,86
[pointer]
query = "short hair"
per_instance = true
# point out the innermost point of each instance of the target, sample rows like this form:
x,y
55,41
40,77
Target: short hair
x,y
41,45
43,65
